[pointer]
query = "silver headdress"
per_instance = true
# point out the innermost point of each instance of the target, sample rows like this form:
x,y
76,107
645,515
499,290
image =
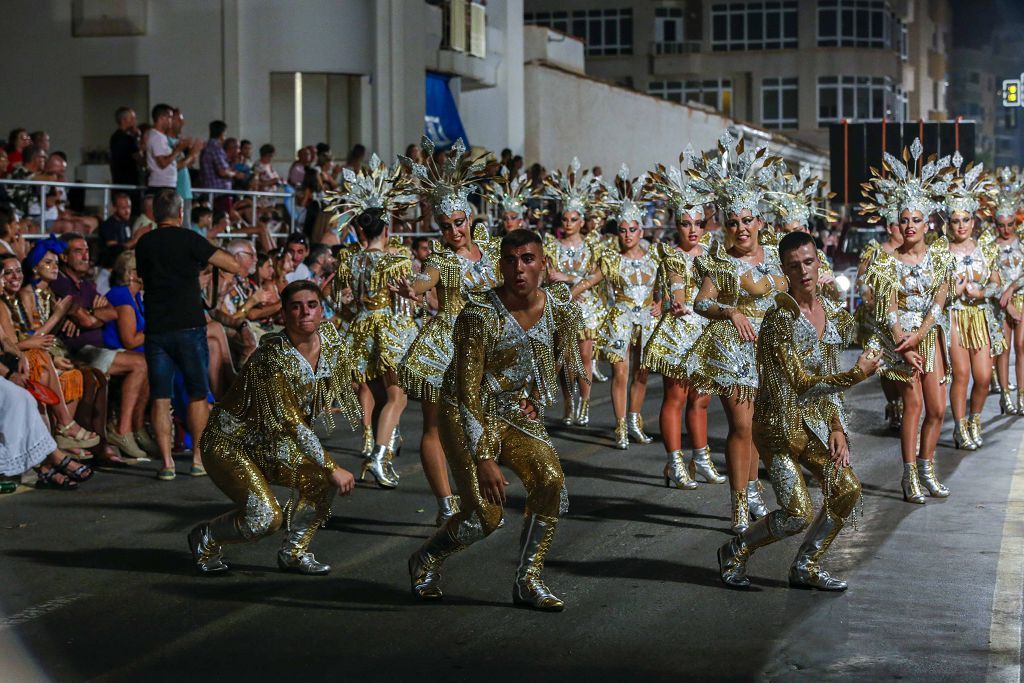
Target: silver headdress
x,y
672,185
447,187
970,192
902,190
574,188
511,194
626,196
735,177
374,187
794,198
1008,199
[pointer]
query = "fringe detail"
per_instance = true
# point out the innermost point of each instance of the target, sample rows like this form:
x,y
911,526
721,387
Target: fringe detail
x,y
972,326
663,367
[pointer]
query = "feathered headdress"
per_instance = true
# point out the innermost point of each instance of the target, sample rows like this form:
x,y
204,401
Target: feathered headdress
x,y
795,197
902,190
374,187
626,196
673,185
511,194
1008,196
971,191
447,187
735,177
574,188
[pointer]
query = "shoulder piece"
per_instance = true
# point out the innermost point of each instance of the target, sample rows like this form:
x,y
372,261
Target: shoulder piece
x,y
826,264
869,251
492,246
768,236
559,293
990,250
390,267
785,302
550,247
609,261
986,237
480,299
446,263
481,233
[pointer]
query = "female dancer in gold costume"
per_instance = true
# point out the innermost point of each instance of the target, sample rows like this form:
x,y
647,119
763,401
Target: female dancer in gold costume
x,y
1010,261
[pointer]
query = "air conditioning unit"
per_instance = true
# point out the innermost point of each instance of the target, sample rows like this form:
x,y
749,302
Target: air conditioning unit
x,y
455,25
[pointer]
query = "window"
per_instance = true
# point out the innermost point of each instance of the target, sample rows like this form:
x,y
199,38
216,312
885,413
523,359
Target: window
x,y
859,23
668,25
754,25
603,31
715,93
864,98
779,103
904,39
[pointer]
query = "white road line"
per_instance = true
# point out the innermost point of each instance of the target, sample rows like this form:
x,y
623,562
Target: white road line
x,y
1007,601
31,613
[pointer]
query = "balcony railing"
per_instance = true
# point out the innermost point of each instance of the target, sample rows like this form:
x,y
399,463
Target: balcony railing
x,y
675,48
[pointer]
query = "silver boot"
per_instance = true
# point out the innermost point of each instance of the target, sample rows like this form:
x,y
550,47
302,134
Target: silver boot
x,y
701,466
1008,404
598,375
425,563
676,473
911,484
529,588
754,500
975,426
396,442
570,409
378,464
635,424
740,512
621,434
926,471
447,507
962,435
733,556
583,412
806,571
294,555
207,552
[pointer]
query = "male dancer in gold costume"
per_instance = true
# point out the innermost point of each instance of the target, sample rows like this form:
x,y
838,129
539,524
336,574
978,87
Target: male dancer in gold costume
x,y
509,343
799,420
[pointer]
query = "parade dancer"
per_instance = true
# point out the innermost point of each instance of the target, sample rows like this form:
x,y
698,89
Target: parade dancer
x,y
1010,261
678,329
461,263
261,434
739,281
510,195
800,421
911,287
508,345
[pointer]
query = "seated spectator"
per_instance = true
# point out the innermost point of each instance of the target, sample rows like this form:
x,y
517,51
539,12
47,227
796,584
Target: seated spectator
x,y
5,197
298,248
297,171
84,339
128,330
220,225
144,221
12,241
321,263
58,217
26,197
202,221
214,287
116,230
266,281
17,140
41,139
244,303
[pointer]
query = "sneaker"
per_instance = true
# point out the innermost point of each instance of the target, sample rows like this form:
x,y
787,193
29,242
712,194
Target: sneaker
x,y
166,474
146,442
125,443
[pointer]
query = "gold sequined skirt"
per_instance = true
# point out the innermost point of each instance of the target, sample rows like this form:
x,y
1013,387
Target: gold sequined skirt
x,y
594,311
974,325
671,342
422,370
722,364
379,341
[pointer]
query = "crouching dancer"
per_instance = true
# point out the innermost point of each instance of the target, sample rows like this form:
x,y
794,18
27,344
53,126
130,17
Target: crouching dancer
x,y
508,345
799,420
261,434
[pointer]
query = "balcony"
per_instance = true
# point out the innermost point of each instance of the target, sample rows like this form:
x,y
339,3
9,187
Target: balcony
x,y
464,26
675,48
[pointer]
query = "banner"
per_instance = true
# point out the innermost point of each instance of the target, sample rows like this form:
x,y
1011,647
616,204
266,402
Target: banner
x,y
441,122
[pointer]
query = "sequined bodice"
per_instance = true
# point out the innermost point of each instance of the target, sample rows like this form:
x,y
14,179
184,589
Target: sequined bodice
x,y
973,265
575,261
477,276
1010,259
917,285
633,284
758,282
363,265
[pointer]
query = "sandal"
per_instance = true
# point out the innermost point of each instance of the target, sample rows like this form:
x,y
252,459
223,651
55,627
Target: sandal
x,y
166,474
74,435
50,478
78,474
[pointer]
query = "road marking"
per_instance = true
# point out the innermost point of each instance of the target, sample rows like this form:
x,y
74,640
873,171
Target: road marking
x,y
31,613
1007,602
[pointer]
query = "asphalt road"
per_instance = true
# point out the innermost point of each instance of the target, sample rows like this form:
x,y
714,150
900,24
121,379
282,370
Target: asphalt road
x,y
98,584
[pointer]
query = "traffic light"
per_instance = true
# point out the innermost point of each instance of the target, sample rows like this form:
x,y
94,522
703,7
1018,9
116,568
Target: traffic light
x,y
1012,92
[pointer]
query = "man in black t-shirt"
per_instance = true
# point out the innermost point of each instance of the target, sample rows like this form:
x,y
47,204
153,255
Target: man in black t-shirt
x,y
169,260
125,155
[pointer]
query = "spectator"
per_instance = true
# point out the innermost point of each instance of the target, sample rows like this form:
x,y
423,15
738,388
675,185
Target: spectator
x,y
41,139
26,197
186,160
161,157
297,247
321,263
243,164
58,217
356,157
267,282
202,222
326,166
414,153
11,239
117,231
169,260
126,159
297,171
265,178
517,166
5,198
144,221
506,158
17,140
215,170
128,330
84,339
219,225
244,302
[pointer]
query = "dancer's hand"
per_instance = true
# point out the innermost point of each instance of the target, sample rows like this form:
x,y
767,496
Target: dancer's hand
x,y
344,480
492,482
868,361
1004,300
527,408
908,343
839,449
680,309
915,360
743,326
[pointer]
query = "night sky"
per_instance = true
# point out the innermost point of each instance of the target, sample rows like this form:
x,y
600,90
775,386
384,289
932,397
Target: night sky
x,y
974,19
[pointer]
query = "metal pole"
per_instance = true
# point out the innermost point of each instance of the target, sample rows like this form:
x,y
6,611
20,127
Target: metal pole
x,y
106,202
42,209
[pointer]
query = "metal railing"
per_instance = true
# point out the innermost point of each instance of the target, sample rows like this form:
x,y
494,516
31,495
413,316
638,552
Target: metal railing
x,y
108,188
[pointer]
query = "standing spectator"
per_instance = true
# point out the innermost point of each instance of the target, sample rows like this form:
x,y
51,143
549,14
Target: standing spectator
x,y
356,158
184,184
116,231
41,139
161,157
215,170
169,260
264,177
243,164
17,140
125,156
298,248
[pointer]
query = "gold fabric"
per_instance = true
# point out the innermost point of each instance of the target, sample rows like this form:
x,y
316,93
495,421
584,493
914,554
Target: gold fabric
x,y
674,336
629,320
578,262
976,321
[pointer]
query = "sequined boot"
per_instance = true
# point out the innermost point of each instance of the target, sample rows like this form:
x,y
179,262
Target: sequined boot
x,y
701,466
447,507
733,555
740,512
529,588
294,555
807,571
1008,404
621,434
975,430
583,412
598,375
755,501
207,551
962,436
635,423
1020,402
995,387
377,464
926,472
425,563
911,484
396,443
368,440
676,473
892,414
570,409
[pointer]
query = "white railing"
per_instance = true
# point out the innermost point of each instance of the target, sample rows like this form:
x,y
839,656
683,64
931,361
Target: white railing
x,y
109,188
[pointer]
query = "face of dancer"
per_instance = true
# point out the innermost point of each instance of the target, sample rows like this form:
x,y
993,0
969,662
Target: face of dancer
x,y
690,229
801,266
961,225
512,221
1006,226
303,313
795,226
895,234
522,268
741,229
455,229
630,233
46,269
913,227
572,223
12,275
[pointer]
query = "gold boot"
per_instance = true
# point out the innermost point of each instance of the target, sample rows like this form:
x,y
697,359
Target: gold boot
x,y
740,512
676,473
1008,403
570,409
635,423
806,571
529,588
621,434
1020,403
911,484
368,440
206,542
583,412
379,465
962,436
975,428
926,472
701,466
425,563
